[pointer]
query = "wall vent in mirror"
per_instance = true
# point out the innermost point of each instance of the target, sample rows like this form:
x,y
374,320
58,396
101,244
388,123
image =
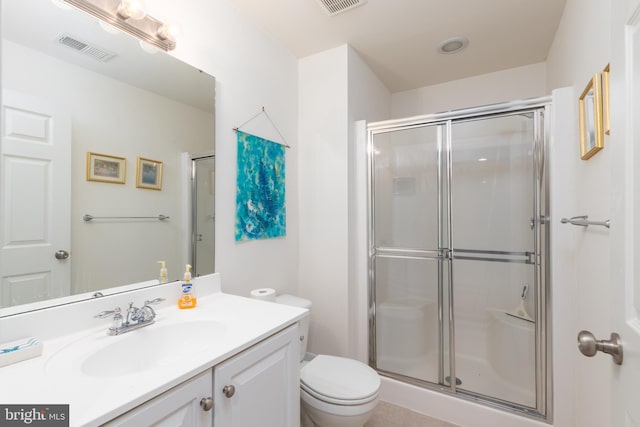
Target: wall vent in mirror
x,y
86,48
121,14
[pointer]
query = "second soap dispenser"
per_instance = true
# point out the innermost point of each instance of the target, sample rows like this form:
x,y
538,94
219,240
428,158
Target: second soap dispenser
x,y
187,294
162,278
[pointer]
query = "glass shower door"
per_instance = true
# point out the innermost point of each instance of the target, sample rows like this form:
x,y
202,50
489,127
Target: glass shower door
x,y
407,264
493,206
203,205
458,254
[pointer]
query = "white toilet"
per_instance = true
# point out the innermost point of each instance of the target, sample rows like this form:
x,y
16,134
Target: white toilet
x,y
334,391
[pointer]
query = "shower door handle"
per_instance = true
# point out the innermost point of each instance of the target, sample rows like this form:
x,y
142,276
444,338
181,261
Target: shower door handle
x,y
589,346
542,219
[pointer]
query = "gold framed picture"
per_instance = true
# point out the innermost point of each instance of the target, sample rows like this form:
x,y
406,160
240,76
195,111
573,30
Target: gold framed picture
x,y
105,168
605,100
149,174
591,123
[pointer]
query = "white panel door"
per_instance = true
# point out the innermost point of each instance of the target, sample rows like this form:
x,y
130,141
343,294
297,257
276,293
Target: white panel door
x,y
625,210
35,200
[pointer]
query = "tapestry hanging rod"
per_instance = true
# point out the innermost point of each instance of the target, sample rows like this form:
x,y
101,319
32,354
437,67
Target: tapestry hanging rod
x,y
583,221
87,217
263,111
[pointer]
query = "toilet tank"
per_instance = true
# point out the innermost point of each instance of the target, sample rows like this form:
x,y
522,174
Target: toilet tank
x,y
303,323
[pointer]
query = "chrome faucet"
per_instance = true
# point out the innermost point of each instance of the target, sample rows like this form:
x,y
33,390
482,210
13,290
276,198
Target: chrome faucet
x,y
135,317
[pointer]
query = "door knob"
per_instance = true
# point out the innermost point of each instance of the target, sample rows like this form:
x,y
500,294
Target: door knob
x,y
229,390
589,346
61,254
206,403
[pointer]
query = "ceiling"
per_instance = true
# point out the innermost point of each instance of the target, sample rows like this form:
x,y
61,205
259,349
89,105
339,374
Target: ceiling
x,y
399,38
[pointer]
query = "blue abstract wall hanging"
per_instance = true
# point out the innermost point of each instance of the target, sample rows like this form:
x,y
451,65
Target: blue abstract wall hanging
x,y
260,192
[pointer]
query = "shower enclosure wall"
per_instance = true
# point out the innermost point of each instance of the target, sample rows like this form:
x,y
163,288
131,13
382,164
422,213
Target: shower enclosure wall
x,y
458,253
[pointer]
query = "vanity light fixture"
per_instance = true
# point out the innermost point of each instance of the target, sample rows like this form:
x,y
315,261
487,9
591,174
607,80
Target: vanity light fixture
x,y
129,16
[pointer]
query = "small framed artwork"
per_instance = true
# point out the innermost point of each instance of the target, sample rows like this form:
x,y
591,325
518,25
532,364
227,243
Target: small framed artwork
x,y
605,100
104,168
591,123
149,174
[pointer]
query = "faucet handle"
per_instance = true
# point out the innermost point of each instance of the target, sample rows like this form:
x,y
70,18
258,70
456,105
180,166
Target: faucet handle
x,y
107,313
147,312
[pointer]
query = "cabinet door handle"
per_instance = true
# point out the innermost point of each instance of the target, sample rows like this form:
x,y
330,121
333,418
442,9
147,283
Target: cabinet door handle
x,y
206,403
229,390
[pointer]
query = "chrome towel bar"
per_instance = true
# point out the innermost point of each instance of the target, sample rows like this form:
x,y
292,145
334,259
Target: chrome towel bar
x,y
88,217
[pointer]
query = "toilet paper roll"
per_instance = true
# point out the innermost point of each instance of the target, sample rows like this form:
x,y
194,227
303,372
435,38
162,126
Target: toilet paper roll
x,y
264,294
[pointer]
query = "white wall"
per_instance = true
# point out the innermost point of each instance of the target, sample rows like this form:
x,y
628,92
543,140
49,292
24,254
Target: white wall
x,y
580,49
516,83
105,253
369,100
251,71
336,88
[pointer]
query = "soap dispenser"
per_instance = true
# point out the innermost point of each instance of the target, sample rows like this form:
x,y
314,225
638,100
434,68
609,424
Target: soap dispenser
x,y
187,295
163,272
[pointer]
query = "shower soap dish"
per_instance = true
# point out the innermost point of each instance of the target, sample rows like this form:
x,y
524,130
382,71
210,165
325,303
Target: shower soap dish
x,y
17,351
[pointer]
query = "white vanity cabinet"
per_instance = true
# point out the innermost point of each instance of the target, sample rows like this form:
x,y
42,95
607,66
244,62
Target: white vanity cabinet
x,y
260,386
184,405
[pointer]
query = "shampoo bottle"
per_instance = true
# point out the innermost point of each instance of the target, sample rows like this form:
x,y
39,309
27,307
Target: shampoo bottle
x,y
163,272
187,295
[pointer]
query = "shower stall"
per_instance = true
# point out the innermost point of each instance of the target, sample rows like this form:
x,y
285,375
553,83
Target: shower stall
x,y
458,254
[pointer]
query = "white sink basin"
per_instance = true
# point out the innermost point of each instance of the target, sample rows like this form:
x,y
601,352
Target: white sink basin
x,y
151,347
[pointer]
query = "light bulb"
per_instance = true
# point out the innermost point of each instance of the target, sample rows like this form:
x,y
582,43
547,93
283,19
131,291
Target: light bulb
x,y
168,32
131,9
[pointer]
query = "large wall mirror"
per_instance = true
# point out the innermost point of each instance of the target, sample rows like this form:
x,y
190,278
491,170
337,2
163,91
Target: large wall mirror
x,y
80,102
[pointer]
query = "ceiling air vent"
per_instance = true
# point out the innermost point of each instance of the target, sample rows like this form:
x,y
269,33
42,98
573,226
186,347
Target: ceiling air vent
x,y
334,7
85,48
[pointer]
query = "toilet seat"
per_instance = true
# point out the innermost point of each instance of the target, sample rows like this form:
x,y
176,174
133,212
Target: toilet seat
x,y
339,381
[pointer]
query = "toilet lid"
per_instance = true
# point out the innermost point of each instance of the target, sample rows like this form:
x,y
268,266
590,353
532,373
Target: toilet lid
x,y
338,378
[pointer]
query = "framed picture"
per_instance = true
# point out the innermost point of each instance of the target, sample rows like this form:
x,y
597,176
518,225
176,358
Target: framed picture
x,y
149,174
605,100
104,168
591,124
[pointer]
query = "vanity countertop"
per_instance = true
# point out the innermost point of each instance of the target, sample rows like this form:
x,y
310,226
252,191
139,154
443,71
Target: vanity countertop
x,y
56,377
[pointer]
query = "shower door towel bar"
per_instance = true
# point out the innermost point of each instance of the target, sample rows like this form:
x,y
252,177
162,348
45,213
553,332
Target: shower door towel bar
x,y
583,221
495,256
87,217
460,254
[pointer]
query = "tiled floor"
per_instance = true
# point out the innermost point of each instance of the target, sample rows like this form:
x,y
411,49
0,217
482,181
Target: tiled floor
x,y
388,415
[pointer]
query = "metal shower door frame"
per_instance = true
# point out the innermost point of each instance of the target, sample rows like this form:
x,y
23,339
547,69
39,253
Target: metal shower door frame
x,y
540,107
195,159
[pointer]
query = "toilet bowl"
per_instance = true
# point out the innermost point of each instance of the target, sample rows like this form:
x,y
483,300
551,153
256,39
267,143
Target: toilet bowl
x,y
334,391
